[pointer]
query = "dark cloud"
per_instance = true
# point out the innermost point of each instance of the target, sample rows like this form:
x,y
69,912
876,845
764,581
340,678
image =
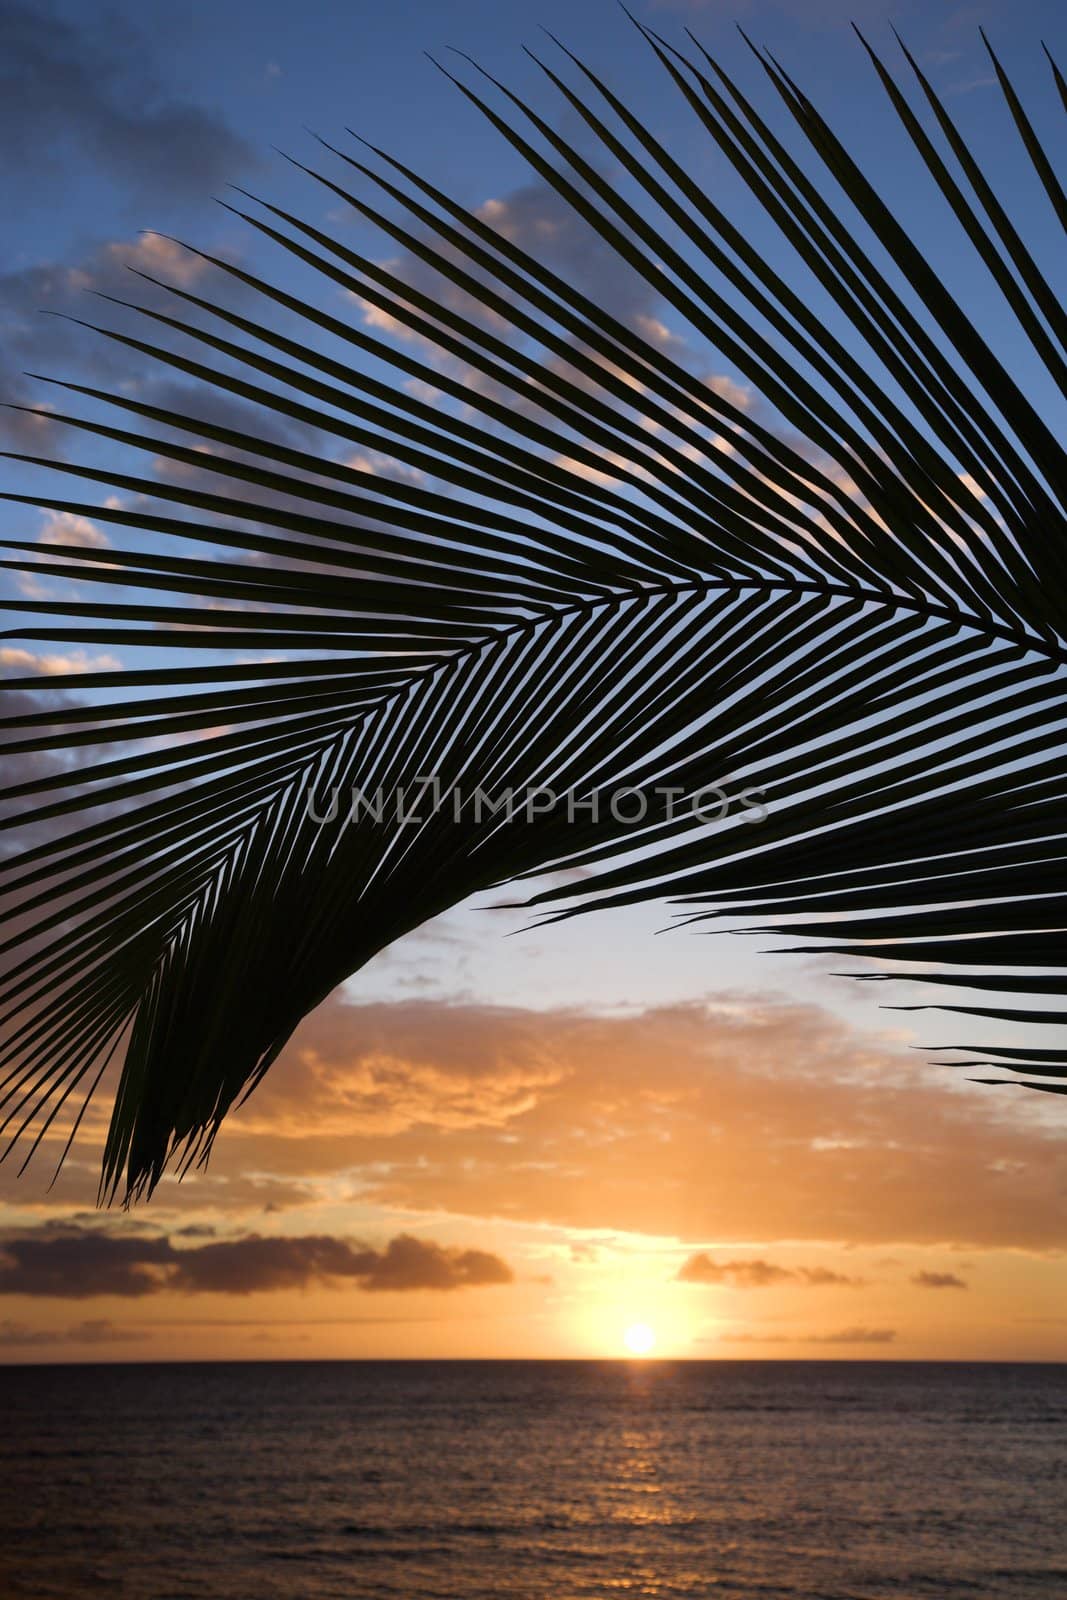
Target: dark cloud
x,y
855,1336
95,1331
700,1268
71,1262
938,1280
257,1262
841,1336
74,1263
409,1263
72,93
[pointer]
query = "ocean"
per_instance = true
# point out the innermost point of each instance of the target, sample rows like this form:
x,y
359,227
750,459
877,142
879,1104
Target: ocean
x,y
540,1480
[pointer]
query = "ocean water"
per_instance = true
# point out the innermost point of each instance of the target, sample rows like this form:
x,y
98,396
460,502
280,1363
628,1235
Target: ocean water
x,y
540,1480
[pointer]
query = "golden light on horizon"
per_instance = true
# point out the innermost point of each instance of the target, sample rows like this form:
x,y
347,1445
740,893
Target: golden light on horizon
x,y
640,1339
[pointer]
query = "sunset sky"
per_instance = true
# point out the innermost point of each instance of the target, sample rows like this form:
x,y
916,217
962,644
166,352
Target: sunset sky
x,y
498,1140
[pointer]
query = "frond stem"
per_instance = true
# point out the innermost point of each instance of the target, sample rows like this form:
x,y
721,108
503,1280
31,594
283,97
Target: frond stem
x,y
1049,646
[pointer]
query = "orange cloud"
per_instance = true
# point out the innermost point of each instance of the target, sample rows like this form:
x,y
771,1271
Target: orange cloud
x,y
744,1119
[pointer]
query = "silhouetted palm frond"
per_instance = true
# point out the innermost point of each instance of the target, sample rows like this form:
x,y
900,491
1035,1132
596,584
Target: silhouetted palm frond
x,y
583,569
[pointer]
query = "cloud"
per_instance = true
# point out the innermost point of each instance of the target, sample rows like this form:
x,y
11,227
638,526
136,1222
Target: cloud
x,y
94,1331
738,1274
70,1261
409,1263
54,670
745,1118
538,220
384,1070
534,218
56,347
938,1280
840,1336
83,109
86,95
700,1268
855,1336
56,666
64,527
153,253
820,1277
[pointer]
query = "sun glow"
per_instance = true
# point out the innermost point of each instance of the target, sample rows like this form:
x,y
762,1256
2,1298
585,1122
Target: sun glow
x,y
639,1339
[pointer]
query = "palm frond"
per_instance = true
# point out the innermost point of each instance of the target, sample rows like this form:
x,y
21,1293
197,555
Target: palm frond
x,y
586,571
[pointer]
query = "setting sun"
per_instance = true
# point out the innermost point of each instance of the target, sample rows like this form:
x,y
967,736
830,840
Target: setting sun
x,y
640,1339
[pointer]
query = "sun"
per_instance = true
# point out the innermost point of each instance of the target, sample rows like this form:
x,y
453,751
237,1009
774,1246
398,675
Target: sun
x,y
639,1339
